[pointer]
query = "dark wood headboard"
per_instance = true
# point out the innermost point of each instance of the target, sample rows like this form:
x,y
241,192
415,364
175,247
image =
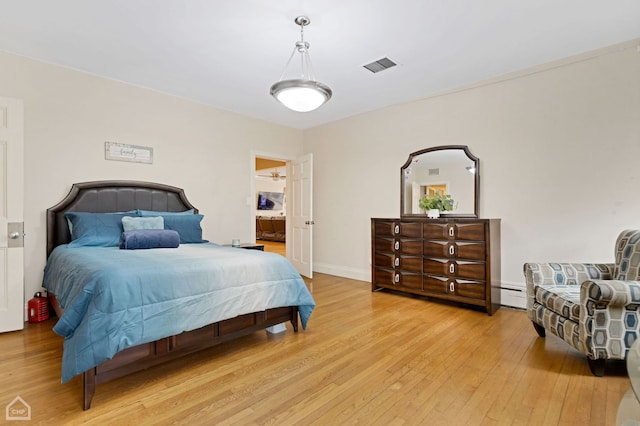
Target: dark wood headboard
x,y
110,196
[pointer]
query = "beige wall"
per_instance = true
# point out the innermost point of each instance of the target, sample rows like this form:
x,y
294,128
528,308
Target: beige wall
x,y
558,147
69,115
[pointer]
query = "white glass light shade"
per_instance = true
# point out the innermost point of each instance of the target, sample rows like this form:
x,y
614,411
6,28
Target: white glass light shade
x,y
301,95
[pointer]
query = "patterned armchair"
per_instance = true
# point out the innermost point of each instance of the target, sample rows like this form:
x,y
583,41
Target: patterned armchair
x,y
593,307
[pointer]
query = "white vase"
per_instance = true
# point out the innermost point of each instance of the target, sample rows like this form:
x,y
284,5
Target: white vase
x,y
433,213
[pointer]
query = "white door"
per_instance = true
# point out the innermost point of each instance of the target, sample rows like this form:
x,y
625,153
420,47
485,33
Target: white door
x,y
300,214
11,211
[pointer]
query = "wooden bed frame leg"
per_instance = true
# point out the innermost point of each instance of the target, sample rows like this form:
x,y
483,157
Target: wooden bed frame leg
x,y
294,320
89,387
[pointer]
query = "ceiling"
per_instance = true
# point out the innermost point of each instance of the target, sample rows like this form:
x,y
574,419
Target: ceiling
x,y
228,53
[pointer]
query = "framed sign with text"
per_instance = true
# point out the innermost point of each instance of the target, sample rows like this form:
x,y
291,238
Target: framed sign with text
x,y
124,152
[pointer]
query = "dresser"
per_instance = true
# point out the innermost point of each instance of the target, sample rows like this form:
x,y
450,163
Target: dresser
x,y
455,259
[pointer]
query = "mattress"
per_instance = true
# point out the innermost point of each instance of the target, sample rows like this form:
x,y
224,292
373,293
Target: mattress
x,y
114,299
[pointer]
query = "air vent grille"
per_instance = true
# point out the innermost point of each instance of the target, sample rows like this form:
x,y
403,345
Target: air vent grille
x,y
380,65
434,172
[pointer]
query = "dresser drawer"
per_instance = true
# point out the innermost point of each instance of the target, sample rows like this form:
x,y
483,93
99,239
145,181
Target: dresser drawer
x,y
395,245
435,284
392,279
398,229
471,289
393,261
455,268
455,250
449,230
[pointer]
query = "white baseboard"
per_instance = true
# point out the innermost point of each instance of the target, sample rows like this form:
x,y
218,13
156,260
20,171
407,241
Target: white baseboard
x,y
513,294
342,271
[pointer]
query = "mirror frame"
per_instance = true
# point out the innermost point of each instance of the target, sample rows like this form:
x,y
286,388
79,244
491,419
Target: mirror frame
x,y
476,190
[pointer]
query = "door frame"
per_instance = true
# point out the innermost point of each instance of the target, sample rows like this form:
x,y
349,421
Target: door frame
x,y
251,201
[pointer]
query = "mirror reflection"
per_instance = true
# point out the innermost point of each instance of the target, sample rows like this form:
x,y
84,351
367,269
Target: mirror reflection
x,y
446,171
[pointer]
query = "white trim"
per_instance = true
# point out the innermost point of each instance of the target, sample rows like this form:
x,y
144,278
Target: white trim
x,y
252,184
342,271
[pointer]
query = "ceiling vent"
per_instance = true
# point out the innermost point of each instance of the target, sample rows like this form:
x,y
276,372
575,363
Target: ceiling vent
x,y
380,65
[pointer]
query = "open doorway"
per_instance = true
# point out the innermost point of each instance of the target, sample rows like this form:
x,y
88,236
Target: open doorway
x,y
271,204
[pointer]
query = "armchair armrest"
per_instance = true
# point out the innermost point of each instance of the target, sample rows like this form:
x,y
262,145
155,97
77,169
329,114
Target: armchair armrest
x,y
596,294
609,317
563,274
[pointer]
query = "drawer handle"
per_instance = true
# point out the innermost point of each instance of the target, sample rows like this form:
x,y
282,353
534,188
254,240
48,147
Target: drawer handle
x,y
396,246
452,287
452,268
396,278
452,250
396,229
396,262
451,233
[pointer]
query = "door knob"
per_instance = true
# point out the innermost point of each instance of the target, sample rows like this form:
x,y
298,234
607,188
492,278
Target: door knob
x,y
15,232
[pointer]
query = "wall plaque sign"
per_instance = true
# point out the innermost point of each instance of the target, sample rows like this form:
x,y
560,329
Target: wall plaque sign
x,y
123,152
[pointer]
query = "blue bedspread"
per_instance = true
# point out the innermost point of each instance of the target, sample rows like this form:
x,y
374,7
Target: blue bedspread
x,y
114,299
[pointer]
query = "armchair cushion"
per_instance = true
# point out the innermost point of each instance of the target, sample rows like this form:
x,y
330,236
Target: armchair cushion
x,y
567,275
562,299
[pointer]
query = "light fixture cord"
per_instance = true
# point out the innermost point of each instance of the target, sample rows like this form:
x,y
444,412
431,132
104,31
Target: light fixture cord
x,y
305,59
302,49
288,62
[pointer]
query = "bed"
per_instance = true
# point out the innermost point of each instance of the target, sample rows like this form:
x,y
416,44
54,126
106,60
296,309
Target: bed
x,y
121,311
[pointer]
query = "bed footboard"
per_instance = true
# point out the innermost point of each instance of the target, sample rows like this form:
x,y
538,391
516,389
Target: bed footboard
x,y
149,354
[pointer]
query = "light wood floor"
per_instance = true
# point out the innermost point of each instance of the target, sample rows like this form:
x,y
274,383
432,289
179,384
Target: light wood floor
x,y
274,246
366,358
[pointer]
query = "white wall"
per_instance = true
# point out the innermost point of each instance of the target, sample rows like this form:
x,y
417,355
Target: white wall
x,y
558,147
69,115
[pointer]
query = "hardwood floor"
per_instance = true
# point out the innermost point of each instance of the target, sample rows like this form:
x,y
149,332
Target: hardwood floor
x,y
274,246
369,358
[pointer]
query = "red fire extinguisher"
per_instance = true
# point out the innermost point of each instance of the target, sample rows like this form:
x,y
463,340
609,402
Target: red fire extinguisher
x,y
38,308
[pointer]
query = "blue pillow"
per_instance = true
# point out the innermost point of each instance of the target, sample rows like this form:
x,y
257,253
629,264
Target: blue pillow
x,y
149,239
145,213
188,226
130,212
95,229
134,223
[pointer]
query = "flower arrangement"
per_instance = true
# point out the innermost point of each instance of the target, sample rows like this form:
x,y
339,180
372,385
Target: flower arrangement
x,y
437,202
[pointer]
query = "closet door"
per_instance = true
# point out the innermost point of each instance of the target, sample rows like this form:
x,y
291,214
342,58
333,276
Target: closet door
x,y
11,215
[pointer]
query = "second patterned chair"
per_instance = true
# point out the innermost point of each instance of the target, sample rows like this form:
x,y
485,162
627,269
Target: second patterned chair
x,y
593,307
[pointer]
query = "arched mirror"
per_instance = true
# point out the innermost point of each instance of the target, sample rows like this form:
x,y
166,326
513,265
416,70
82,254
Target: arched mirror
x,y
446,170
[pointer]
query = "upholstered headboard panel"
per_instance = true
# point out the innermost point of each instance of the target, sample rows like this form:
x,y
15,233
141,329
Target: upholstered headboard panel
x,y
108,197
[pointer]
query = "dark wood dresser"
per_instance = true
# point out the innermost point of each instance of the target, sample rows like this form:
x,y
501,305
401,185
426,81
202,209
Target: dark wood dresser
x,y
453,259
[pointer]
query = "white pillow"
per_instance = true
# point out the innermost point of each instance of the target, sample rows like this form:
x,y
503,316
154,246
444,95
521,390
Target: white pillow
x,y
136,223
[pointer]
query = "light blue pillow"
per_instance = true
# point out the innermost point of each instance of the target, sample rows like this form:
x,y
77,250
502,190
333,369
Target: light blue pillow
x,y
136,223
145,213
188,226
95,229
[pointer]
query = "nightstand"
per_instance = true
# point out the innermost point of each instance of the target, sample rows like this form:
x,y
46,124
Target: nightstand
x,y
248,246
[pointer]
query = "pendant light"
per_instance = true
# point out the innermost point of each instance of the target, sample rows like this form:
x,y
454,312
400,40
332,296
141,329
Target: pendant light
x,y
302,94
